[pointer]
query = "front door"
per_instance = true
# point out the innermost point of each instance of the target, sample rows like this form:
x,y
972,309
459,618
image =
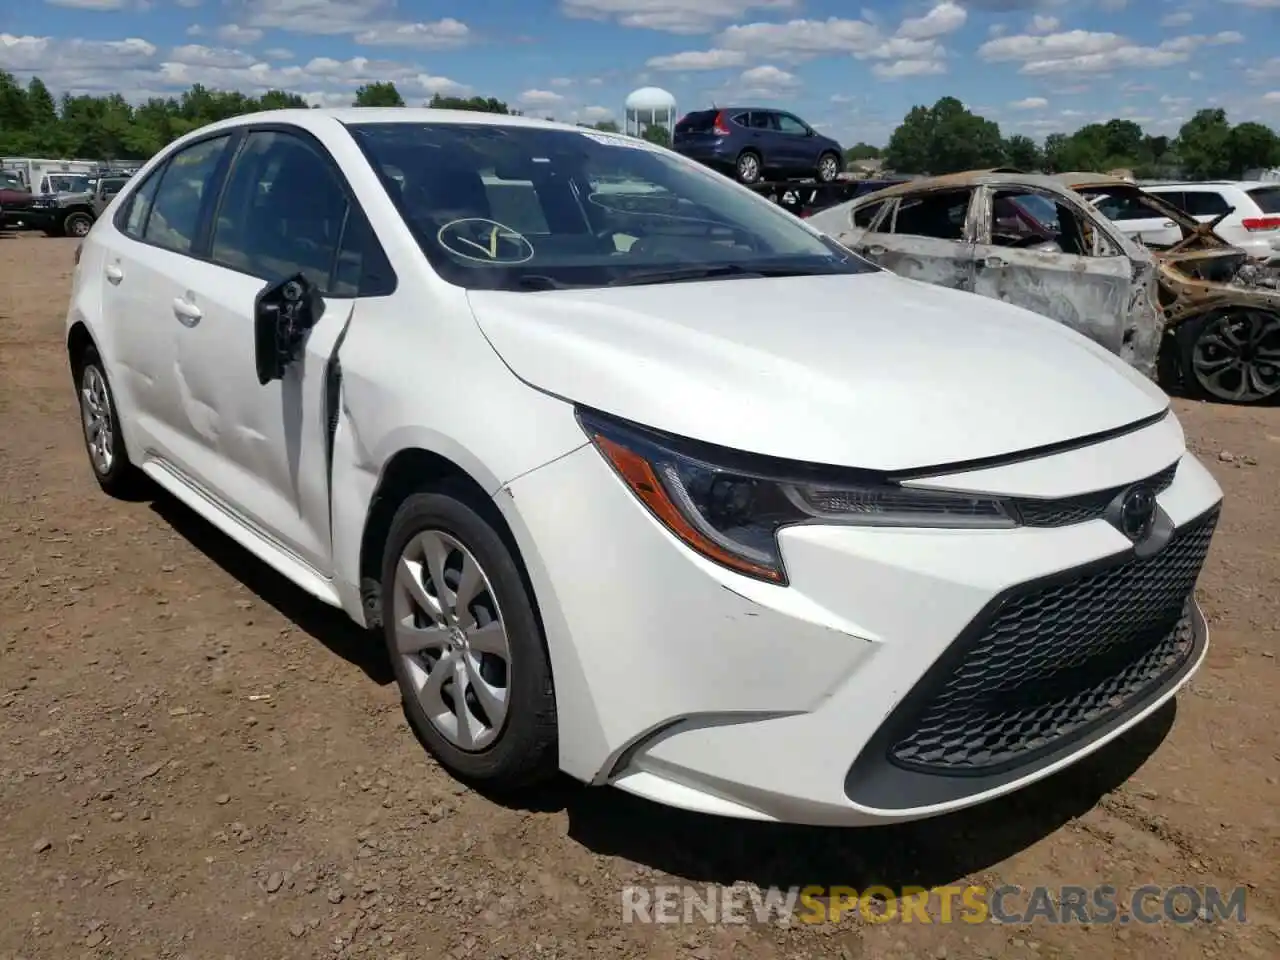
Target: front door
x,y
284,212
796,143
925,237
1037,251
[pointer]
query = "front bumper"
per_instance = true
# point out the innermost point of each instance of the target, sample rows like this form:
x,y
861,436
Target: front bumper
x,y
683,682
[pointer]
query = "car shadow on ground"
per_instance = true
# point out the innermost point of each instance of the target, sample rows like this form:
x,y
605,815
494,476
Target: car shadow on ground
x,y
705,849
331,627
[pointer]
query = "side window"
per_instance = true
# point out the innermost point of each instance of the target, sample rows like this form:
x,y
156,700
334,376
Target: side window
x,y
762,120
789,124
175,213
940,215
864,216
285,211
138,206
741,119
1120,209
1205,203
1023,218
282,212
1175,197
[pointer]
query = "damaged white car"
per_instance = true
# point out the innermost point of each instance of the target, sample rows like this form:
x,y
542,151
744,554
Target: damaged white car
x,y
637,476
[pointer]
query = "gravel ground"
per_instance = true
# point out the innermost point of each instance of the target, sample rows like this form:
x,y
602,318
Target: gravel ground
x,y
197,761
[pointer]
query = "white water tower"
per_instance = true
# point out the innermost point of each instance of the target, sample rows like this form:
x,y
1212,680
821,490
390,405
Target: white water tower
x,y
650,106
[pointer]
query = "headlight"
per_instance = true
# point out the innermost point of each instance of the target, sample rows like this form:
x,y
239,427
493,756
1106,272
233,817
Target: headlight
x,y
729,506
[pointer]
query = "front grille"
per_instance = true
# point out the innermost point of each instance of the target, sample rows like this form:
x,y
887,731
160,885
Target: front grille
x,y
1057,661
1089,506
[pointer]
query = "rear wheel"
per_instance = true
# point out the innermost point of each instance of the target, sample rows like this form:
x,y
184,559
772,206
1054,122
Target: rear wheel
x,y
748,167
77,223
466,644
100,421
1231,355
828,167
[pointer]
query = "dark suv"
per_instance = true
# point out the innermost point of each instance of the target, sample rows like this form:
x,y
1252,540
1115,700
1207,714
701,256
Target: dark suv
x,y
751,140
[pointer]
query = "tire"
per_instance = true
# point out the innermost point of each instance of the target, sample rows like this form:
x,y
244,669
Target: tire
x,y
828,168
1202,344
111,466
749,167
521,749
77,224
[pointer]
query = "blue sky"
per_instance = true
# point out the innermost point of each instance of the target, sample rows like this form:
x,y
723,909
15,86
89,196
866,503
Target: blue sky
x,y
1035,66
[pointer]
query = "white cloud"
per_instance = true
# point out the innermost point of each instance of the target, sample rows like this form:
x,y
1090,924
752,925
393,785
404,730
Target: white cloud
x,y
231,33
101,4
671,16
908,68
278,53
1030,103
1083,51
138,68
1179,19
561,81
1272,96
943,19
801,38
698,60
540,98
997,30
594,114
369,22
1042,24
765,82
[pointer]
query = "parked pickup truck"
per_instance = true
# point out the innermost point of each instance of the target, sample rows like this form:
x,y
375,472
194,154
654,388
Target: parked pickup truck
x,y
15,200
72,214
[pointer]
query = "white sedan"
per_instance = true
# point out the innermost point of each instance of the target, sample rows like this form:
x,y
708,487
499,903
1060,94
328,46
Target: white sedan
x,y
655,486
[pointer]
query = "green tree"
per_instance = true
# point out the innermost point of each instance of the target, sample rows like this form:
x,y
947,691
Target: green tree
x,y
478,104
379,94
1251,145
944,138
606,126
862,151
1204,145
656,133
1023,152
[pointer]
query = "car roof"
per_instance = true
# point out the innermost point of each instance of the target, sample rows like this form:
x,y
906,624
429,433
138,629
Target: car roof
x,y
317,117
996,176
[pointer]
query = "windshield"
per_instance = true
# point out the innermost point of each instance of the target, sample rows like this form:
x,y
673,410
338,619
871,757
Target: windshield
x,y
68,183
521,208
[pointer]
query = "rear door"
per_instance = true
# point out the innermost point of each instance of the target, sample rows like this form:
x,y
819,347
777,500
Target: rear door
x,y
926,236
147,260
1071,272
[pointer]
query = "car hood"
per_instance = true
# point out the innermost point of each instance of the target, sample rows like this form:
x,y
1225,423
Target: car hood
x,y
871,370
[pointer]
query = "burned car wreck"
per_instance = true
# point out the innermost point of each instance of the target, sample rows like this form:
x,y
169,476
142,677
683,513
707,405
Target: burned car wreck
x,y
1196,316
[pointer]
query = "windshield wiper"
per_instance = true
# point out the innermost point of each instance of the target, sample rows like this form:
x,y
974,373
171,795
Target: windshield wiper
x,y
682,274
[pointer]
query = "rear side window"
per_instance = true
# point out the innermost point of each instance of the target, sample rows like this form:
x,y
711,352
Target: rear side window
x,y
700,122
1204,203
175,214
939,215
1267,198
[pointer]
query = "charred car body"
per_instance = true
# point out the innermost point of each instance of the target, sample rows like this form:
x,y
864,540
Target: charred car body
x,y
1197,314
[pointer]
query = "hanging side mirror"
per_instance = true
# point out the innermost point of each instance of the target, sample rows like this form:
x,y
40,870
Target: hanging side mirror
x,y
283,313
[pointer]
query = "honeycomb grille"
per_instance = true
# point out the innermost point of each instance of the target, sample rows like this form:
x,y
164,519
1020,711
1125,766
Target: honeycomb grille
x,y
1089,506
1058,661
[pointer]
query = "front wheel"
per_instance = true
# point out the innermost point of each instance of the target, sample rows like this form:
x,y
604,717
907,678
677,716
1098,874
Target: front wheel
x,y
466,644
1231,355
828,168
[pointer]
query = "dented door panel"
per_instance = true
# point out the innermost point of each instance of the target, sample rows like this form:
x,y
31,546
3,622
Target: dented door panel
x,y
262,448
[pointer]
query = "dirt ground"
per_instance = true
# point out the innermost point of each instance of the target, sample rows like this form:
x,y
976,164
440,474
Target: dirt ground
x,y
198,761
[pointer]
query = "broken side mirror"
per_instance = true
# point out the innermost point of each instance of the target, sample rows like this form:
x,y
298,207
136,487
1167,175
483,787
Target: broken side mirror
x,y
283,313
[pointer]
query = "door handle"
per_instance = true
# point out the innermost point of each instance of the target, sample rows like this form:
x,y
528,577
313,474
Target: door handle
x,y
114,274
993,262
1168,224
876,250
186,311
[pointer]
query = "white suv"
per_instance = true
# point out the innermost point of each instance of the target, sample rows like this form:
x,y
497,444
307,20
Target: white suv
x,y
1253,223
653,484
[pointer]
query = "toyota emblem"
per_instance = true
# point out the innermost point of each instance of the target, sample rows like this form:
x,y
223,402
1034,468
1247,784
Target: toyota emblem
x,y
1137,512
